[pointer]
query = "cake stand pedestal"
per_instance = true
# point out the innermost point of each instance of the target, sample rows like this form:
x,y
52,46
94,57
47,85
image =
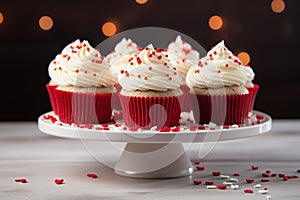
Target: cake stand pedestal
x,y
154,154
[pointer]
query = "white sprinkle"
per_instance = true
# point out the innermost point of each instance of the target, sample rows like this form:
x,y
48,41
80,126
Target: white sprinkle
x,y
211,124
235,187
211,187
257,186
234,126
224,176
269,197
153,128
227,183
233,180
263,191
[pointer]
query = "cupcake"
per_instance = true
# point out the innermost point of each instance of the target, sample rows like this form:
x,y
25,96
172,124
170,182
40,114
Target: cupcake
x,y
183,57
118,59
84,84
150,90
218,85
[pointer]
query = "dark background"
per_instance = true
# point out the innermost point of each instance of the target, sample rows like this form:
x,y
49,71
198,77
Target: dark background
x,y
271,39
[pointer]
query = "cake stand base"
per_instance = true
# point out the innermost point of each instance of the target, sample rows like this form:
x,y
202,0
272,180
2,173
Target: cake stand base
x,y
144,160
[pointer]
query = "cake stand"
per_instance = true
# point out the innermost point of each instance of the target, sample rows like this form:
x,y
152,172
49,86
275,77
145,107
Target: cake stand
x,y
150,153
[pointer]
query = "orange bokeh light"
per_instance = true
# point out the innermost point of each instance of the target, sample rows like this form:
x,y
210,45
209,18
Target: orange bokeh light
x,y
215,22
141,1
244,57
277,6
46,23
1,18
109,29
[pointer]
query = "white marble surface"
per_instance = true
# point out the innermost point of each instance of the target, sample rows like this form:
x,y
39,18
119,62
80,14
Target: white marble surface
x,y
26,152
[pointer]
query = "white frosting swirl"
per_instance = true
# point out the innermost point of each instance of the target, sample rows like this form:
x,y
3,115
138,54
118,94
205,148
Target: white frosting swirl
x,y
149,70
81,65
121,54
182,55
219,68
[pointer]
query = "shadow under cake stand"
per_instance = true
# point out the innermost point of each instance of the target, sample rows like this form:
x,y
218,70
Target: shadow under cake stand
x,y
150,153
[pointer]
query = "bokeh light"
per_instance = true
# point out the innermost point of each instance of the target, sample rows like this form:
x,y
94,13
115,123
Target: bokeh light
x,y
244,57
1,18
109,29
215,22
278,6
141,1
46,23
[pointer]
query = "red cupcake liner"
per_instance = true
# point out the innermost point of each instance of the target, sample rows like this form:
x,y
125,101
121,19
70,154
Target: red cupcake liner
x,y
146,112
252,92
229,109
185,99
52,94
116,104
83,108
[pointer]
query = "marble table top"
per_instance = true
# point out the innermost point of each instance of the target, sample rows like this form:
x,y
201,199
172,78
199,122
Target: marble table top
x,y
27,153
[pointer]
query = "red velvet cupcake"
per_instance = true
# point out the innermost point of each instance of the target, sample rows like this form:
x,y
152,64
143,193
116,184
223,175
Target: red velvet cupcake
x,y
150,90
218,88
85,85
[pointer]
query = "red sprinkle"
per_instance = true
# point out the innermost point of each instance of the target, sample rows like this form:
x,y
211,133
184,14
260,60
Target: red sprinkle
x,y
122,71
176,129
200,168
125,128
265,175
273,175
236,174
268,171
260,117
281,175
193,128
225,127
248,191
254,167
89,126
165,129
104,125
216,173
298,170
117,125
285,178
265,188
264,180
197,182
92,175
59,181
159,57
133,128
197,163
201,127
21,180
209,183
221,187
249,180
295,176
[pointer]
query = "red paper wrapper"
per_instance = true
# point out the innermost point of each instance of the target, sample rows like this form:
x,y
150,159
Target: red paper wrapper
x,y
252,92
52,94
185,99
116,104
223,109
142,112
83,108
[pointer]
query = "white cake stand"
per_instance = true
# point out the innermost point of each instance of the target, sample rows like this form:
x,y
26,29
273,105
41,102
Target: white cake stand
x,y
153,154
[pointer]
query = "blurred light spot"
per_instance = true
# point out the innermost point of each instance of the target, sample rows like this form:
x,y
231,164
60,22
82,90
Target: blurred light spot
x,y
277,6
109,29
141,1
215,22
244,57
46,23
1,18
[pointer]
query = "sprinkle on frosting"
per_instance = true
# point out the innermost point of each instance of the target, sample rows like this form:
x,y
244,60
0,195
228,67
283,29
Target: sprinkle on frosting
x,y
183,56
80,65
147,71
220,67
121,54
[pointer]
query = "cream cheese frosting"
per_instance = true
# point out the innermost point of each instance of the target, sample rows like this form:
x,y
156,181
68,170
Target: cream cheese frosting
x,y
182,55
149,70
121,54
218,69
80,65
